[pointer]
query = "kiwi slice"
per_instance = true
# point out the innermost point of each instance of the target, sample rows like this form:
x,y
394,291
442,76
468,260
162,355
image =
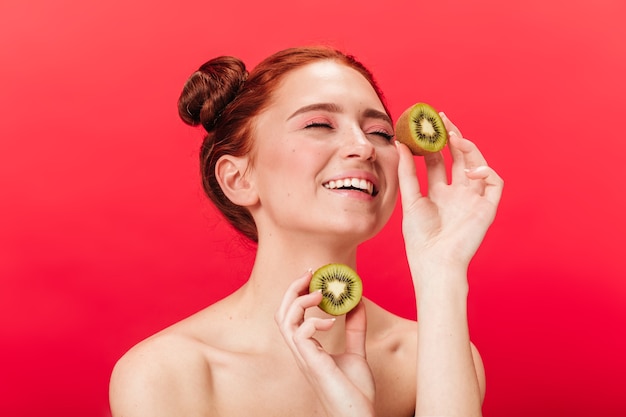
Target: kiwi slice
x,y
341,288
421,129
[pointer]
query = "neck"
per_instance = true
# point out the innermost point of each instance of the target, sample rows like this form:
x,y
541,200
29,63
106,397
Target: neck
x,y
281,261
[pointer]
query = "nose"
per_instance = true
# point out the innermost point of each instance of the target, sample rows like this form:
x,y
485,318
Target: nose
x,y
359,146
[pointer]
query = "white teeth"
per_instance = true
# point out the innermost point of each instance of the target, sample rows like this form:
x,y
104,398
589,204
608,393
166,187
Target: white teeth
x,y
351,182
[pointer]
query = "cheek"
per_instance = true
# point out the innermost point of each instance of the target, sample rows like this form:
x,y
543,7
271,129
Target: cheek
x,y
389,160
286,169
275,157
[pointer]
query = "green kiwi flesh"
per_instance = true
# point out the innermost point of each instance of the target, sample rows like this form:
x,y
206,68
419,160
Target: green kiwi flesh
x,y
421,129
341,287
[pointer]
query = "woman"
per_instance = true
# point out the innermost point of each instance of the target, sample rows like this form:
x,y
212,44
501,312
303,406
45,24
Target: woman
x,y
276,139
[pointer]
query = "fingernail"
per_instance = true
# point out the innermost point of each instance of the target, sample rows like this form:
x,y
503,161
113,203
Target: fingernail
x,y
452,133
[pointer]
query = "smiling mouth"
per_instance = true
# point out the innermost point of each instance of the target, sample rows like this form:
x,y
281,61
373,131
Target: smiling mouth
x,y
357,184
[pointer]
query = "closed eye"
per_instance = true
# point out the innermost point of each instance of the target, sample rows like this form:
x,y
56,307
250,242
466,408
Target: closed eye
x,y
387,136
318,124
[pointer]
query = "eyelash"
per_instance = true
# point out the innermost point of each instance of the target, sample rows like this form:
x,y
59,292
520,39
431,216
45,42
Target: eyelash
x,y
387,136
318,124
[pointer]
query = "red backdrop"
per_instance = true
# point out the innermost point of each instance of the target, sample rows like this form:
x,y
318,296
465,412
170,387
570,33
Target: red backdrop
x,y
105,236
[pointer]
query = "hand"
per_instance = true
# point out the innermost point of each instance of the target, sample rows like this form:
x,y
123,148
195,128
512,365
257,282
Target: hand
x,y
343,382
448,225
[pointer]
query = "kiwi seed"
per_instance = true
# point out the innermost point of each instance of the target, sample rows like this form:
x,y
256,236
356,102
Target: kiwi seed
x,y
341,287
421,128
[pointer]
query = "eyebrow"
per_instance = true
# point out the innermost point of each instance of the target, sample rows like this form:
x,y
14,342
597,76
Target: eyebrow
x,y
376,114
335,108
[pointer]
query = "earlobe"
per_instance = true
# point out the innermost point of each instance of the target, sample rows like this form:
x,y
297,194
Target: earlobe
x,y
233,176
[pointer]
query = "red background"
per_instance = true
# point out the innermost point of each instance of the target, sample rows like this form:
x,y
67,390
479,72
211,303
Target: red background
x,y
105,236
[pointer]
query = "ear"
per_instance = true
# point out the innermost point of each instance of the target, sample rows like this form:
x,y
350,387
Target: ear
x,y
234,177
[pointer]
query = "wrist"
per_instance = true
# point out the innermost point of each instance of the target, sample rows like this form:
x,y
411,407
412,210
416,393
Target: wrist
x,y
439,280
450,257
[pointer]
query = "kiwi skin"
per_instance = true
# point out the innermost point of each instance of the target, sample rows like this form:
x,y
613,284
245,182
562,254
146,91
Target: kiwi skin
x,y
405,129
342,275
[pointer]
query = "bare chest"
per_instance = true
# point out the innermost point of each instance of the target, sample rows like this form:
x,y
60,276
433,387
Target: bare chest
x,y
269,387
261,388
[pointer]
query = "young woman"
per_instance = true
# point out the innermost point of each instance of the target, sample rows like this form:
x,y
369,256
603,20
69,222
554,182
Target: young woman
x,y
280,143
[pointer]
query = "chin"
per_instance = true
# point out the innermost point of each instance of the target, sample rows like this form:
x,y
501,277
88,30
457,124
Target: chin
x,y
357,234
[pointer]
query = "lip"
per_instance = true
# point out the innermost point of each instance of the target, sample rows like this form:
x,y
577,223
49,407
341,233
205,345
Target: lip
x,y
362,175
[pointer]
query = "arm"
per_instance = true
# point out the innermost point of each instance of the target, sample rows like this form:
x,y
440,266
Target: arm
x,y
442,232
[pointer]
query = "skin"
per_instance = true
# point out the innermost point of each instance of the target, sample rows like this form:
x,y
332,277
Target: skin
x,y
267,350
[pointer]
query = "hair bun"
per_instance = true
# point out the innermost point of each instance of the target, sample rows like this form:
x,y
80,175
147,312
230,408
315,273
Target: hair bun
x,y
209,90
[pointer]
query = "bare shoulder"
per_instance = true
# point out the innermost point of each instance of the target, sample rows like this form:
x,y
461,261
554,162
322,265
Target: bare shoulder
x,y
395,332
391,339
392,356
394,343
480,370
170,373
160,376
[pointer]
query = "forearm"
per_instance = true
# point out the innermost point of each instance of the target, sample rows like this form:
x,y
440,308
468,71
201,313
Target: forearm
x,y
442,231
447,381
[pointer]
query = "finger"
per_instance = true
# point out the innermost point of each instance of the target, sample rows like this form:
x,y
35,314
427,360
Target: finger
x,y
307,329
494,184
294,315
356,328
472,155
458,162
407,177
459,148
451,127
290,322
458,159
435,169
469,157
308,349
295,289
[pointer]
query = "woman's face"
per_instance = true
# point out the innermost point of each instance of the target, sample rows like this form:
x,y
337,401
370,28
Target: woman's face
x,y
325,162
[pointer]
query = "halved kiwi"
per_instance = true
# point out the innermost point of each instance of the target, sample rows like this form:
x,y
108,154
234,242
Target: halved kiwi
x,y
341,287
421,129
